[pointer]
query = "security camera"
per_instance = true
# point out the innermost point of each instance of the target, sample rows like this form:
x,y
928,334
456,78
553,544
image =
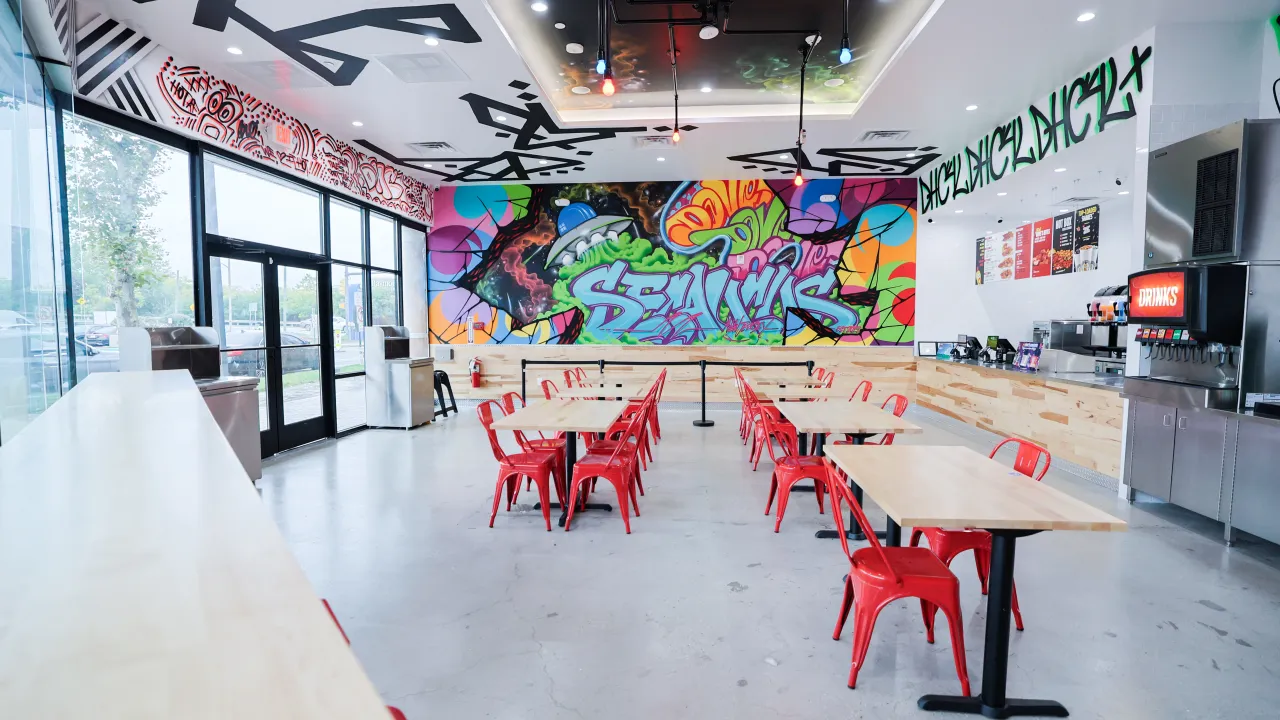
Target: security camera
x,y
1118,181
930,221
1000,220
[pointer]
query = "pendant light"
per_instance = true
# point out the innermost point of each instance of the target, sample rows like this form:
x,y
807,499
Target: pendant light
x,y
846,54
806,48
675,80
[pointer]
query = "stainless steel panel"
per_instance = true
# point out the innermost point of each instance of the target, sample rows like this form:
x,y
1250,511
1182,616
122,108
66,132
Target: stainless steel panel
x,y
398,390
1255,506
1151,440
1198,454
1173,393
237,414
1171,194
1260,206
1260,371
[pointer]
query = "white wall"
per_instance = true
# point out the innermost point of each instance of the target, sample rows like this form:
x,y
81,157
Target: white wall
x,y
1206,75
948,302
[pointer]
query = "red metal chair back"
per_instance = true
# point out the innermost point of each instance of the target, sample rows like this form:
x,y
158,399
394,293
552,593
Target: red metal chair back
x,y
568,378
862,392
580,375
830,378
485,411
819,374
771,432
549,389
509,401
840,492
900,403
1028,457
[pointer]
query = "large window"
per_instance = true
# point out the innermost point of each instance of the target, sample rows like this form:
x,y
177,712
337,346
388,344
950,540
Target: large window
x,y
34,354
242,203
129,206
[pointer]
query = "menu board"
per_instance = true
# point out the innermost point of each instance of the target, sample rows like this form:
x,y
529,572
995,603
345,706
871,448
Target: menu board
x,y
1003,254
1064,243
1041,248
1086,239
991,259
980,266
1022,253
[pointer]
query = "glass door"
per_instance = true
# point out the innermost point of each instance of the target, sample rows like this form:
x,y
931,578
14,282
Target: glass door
x,y
268,313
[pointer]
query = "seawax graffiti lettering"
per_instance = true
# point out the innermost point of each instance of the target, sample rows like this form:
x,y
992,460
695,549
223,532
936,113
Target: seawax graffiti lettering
x,y
1103,95
675,263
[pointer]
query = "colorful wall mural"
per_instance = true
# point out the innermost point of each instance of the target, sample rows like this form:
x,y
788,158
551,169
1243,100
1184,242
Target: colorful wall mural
x,y
758,262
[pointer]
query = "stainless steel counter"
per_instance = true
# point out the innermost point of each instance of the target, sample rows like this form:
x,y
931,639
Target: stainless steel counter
x,y
1106,382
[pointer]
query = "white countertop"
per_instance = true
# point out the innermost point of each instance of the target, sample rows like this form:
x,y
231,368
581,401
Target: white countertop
x,y
140,576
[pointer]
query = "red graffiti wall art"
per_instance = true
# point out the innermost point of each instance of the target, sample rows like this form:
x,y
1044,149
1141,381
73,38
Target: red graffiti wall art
x,y
226,115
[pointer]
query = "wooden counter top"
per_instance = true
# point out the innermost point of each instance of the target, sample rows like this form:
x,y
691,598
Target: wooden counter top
x,y
141,577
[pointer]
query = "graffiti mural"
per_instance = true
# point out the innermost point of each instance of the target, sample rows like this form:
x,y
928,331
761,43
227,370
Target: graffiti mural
x,y
1106,93
757,262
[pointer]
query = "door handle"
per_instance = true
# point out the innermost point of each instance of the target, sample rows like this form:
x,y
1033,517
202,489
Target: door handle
x,y
1168,421
1182,423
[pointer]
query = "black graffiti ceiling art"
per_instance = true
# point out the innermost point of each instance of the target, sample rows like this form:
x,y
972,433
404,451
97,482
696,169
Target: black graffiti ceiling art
x,y
451,26
843,162
532,132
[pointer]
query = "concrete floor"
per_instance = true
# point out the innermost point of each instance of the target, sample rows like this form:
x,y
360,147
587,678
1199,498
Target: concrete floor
x,y
704,612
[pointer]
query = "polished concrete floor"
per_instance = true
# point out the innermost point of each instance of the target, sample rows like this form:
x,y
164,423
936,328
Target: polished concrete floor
x,y
703,612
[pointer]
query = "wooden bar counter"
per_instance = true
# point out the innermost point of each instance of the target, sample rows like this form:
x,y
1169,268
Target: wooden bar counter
x,y
141,577
1078,421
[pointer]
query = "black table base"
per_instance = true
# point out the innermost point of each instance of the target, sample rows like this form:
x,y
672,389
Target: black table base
x,y
571,458
992,702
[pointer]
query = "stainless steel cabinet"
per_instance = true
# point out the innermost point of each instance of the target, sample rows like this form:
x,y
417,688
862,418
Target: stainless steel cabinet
x,y
1255,505
1151,448
1199,452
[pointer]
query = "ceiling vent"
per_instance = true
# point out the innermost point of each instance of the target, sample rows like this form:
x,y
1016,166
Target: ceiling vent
x,y
425,67
653,142
278,74
1077,201
433,147
885,135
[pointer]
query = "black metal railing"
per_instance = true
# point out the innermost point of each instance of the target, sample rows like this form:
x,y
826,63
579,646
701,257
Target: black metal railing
x,y
702,365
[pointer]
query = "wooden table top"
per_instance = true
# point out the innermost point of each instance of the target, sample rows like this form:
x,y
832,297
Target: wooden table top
x,y
955,487
798,380
567,415
154,584
773,392
839,416
628,391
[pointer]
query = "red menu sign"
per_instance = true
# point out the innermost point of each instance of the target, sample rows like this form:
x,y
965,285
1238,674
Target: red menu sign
x,y
1022,253
1042,248
1158,295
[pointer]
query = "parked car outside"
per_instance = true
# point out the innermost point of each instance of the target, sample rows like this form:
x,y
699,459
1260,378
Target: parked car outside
x,y
249,362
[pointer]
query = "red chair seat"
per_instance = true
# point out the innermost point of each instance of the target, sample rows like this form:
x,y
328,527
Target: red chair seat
x,y
799,461
910,564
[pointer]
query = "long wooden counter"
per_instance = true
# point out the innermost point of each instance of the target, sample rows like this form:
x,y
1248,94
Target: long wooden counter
x,y
141,577
1078,423
890,369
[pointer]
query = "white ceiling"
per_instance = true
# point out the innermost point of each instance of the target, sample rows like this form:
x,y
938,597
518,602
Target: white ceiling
x,y
998,54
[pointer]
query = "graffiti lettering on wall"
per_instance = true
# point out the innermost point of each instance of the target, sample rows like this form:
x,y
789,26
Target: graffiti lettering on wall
x,y
675,263
1087,105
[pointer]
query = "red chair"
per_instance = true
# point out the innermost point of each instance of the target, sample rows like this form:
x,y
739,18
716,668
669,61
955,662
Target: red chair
x,y
538,466
862,392
618,431
782,429
580,375
395,712
830,378
549,389
900,403
788,470
879,575
947,544
617,468
542,443
568,378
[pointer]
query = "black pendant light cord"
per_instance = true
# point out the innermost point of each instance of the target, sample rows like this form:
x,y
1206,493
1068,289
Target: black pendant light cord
x,y
805,51
675,77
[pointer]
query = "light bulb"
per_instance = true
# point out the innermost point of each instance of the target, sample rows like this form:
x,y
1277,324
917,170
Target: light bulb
x,y
846,55
608,88
601,65
799,179
675,136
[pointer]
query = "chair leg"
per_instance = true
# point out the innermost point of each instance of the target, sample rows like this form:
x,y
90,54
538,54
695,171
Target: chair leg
x,y
845,604
1017,612
982,558
864,622
773,490
544,495
957,641
818,488
784,496
513,491
573,501
622,508
929,611
497,495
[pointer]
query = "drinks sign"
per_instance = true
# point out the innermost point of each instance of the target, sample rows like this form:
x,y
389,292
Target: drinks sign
x,y
1158,296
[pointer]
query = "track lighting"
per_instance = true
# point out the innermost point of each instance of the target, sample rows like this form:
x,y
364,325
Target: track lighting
x,y
708,31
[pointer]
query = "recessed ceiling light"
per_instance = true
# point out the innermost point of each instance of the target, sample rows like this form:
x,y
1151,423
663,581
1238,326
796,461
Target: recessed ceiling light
x,y
501,118
559,26
911,154
1086,17
1142,150
662,159
706,88
542,162
784,157
538,7
580,90
432,40
971,108
427,165
1124,192
959,211
357,123
1059,169
573,49
834,82
235,51
1001,194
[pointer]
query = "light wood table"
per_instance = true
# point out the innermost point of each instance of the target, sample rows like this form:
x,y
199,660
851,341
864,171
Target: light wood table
x,y
774,392
597,392
858,420
955,487
798,381
155,584
570,417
